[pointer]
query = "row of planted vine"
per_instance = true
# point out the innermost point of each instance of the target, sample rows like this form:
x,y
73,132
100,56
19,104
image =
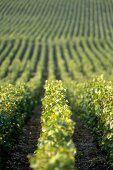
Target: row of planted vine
x,y
16,105
55,146
93,100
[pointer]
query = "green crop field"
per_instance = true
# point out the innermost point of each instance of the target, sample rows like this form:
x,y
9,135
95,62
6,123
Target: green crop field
x,y
56,57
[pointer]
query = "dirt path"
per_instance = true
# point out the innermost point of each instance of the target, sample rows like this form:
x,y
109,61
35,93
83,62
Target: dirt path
x,y
89,157
27,144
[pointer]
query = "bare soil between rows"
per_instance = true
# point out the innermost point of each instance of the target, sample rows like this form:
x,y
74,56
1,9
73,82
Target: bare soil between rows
x,y
89,156
27,143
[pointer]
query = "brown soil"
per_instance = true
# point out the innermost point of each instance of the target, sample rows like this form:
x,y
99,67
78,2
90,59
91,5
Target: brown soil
x,y
89,157
27,143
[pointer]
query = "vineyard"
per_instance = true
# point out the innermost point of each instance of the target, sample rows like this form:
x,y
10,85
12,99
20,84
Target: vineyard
x,y
56,84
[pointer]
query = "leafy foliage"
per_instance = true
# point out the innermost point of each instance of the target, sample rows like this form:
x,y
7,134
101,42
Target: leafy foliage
x,y
15,107
97,106
55,147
